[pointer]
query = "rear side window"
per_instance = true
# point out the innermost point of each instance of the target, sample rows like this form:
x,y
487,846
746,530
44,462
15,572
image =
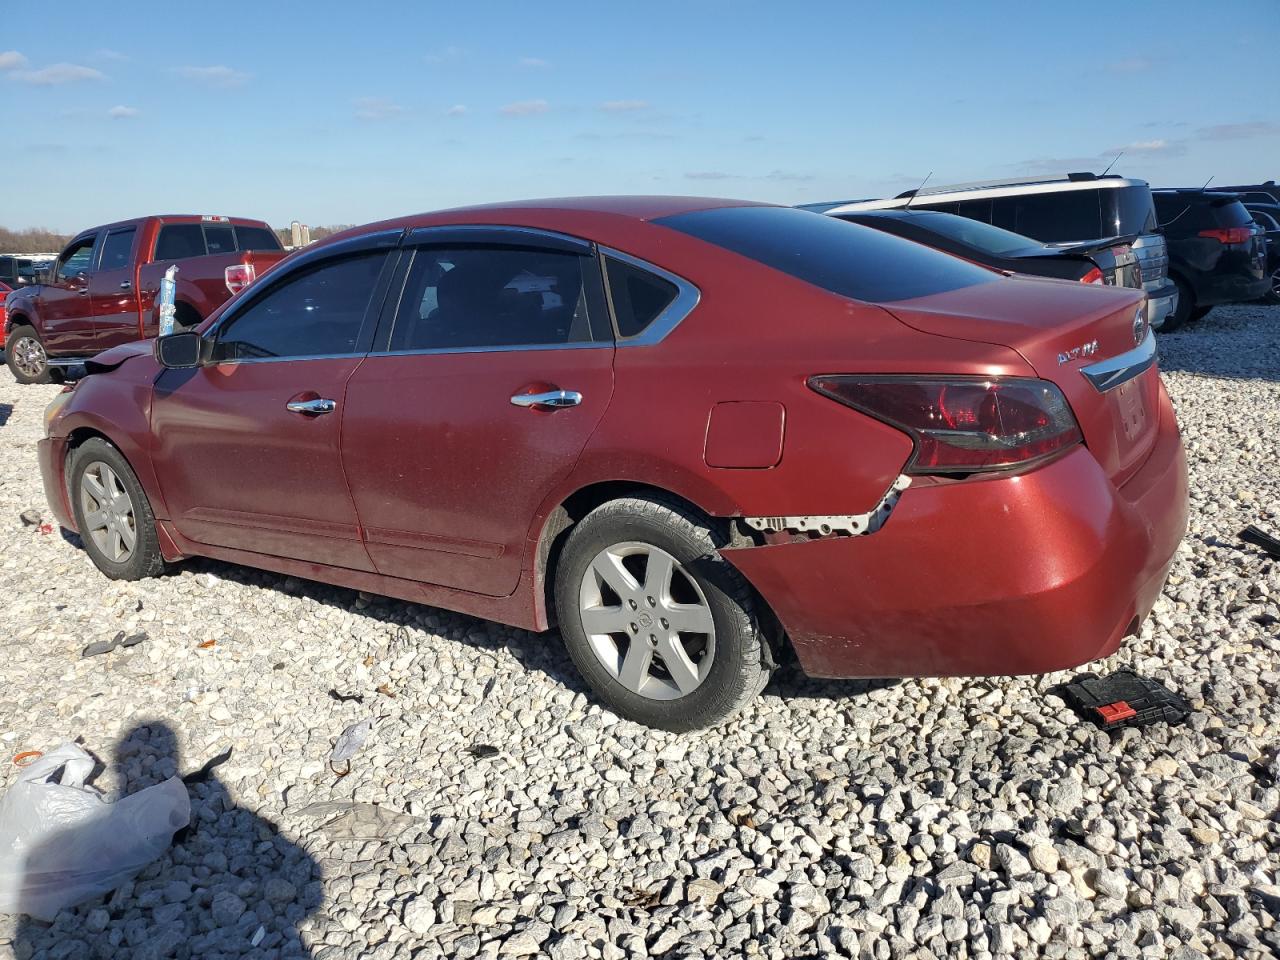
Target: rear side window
x,y
457,299
842,258
117,250
220,239
1132,210
638,296
256,238
1052,217
318,313
177,241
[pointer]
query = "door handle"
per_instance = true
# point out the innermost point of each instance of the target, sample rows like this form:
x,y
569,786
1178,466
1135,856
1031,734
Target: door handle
x,y
126,284
313,407
550,398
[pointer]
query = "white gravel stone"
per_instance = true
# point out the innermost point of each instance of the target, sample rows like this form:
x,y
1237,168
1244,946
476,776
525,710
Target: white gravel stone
x,y
925,817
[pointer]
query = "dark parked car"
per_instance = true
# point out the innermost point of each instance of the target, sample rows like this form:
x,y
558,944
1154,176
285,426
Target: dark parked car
x,y
1268,192
1217,253
697,430
1110,262
1267,216
1070,208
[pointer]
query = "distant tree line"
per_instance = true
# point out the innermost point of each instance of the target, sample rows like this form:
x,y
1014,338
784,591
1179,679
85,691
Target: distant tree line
x,y
44,240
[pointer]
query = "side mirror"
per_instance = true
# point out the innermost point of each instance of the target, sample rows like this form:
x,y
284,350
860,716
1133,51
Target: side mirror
x,y
179,350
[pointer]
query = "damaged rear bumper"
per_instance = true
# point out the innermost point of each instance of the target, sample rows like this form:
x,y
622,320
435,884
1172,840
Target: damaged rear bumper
x,y
1011,575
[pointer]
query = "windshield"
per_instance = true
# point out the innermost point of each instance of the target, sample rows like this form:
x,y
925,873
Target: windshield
x,y
983,236
844,258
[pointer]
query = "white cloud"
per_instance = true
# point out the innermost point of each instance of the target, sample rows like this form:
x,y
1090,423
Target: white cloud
x,y
457,110
447,55
122,112
376,108
525,108
624,106
534,63
11,60
57,74
215,76
1240,131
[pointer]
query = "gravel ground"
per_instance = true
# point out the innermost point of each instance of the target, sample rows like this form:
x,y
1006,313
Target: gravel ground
x,y
924,818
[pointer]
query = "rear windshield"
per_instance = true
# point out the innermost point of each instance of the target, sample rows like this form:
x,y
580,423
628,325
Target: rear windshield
x,y
982,236
1190,212
257,238
178,241
1129,210
843,258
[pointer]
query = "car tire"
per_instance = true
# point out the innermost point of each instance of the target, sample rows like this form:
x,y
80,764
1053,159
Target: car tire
x,y
113,497
25,356
717,672
1272,296
1199,313
1186,303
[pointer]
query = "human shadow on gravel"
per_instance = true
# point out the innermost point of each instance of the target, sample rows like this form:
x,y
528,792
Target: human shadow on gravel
x,y
226,876
6,411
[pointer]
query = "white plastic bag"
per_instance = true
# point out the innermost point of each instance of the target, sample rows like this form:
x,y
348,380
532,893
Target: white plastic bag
x,y
62,844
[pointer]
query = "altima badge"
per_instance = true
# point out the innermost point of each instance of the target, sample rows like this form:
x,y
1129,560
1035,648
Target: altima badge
x,y
1079,353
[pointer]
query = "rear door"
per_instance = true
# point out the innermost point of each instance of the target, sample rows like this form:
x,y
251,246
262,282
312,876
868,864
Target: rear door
x,y
247,446
112,290
496,368
66,309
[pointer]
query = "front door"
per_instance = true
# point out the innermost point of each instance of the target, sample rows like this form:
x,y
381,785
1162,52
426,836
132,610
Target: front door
x,y
111,290
247,446
66,310
497,368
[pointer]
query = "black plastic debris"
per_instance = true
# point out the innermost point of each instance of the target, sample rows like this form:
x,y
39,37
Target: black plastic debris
x,y
1122,699
30,518
345,697
203,774
482,750
1260,538
99,647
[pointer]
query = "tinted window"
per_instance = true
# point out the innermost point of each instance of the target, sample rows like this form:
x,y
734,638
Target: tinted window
x,y
1052,217
1267,221
983,236
317,313
491,297
975,210
1231,214
844,258
117,250
220,239
1129,210
638,296
256,238
180,240
76,259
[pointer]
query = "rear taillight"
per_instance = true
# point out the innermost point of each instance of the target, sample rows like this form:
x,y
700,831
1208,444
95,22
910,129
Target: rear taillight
x,y
238,276
1093,276
1228,234
963,425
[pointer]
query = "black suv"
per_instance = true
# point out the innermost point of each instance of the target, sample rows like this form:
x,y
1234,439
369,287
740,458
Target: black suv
x,y
1268,192
1217,254
1267,216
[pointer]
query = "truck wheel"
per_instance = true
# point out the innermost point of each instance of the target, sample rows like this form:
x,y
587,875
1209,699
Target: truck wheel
x,y
112,511
24,353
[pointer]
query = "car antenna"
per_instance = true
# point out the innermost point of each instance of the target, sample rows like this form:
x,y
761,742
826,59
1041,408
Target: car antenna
x,y
916,191
1207,182
1112,164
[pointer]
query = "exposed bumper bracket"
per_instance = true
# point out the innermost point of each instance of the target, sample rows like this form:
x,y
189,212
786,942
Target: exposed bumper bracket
x,y
854,524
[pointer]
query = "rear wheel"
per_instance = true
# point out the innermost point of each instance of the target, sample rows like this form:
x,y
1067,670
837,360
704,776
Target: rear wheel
x,y
663,629
1273,295
113,513
1198,313
1182,313
24,353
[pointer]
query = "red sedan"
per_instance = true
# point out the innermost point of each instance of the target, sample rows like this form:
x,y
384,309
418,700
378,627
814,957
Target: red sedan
x,y
698,435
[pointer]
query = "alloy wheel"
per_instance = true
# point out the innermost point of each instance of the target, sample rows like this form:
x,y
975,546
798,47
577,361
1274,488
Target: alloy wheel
x,y
29,356
1275,286
647,620
108,512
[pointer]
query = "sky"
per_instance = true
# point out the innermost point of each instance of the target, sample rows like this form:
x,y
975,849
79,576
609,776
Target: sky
x,y
340,112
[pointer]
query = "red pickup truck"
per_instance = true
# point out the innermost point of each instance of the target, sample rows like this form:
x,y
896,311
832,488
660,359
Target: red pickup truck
x,y
102,290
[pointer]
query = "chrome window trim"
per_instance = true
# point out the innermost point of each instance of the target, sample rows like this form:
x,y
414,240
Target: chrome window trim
x,y
687,297
1110,373
313,356
485,232
506,348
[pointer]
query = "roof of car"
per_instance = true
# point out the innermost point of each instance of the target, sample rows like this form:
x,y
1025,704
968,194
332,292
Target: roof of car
x,y
640,207
177,218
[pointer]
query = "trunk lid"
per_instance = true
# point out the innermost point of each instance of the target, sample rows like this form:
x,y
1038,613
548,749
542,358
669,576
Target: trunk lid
x,y
1061,328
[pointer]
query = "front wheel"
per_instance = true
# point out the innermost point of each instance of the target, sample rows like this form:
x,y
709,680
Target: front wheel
x,y
1272,296
113,513
662,628
24,353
